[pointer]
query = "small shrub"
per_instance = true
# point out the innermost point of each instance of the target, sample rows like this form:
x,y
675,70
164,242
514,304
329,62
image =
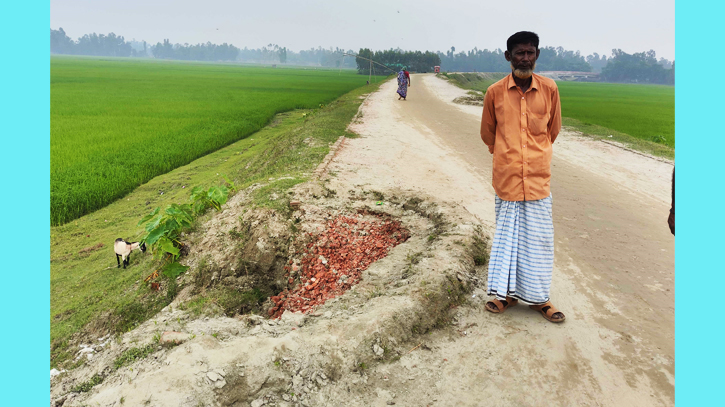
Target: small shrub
x,y
214,197
233,301
87,386
131,355
479,249
414,258
171,290
164,228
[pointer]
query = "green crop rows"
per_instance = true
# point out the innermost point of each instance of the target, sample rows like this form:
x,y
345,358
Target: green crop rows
x,y
117,123
642,111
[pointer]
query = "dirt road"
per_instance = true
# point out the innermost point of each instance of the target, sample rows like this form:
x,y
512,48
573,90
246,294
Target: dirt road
x,y
613,273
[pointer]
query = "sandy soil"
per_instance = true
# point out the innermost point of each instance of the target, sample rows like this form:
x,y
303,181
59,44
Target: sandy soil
x,y
613,276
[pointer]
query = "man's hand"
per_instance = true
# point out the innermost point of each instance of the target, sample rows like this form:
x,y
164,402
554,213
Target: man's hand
x,y
671,221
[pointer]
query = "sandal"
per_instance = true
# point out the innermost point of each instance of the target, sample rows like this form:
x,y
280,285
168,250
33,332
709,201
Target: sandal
x,y
548,311
500,306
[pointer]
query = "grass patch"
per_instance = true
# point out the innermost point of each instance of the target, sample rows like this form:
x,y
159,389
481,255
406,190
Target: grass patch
x,y
640,111
131,355
116,124
226,300
478,248
603,133
414,258
87,386
85,286
195,307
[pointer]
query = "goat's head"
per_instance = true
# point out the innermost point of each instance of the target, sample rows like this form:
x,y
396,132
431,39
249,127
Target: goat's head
x,y
142,246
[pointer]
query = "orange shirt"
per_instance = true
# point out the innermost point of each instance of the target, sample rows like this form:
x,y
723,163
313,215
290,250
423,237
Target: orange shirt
x,y
518,129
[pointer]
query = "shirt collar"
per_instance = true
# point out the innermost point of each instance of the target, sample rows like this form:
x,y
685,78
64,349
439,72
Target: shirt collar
x,y
534,82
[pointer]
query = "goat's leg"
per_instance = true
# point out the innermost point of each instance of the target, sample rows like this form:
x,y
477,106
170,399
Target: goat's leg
x,y
125,262
118,261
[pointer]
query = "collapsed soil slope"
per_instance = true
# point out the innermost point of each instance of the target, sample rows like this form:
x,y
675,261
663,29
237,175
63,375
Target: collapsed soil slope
x,y
251,359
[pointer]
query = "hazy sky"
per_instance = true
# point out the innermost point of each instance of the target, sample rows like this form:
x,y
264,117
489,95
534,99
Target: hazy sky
x,y
587,26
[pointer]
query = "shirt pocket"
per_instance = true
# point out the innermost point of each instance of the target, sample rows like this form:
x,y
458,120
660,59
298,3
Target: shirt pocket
x,y
538,124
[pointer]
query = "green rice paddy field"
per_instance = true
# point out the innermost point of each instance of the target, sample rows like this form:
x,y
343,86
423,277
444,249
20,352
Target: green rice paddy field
x,y
641,111
117,123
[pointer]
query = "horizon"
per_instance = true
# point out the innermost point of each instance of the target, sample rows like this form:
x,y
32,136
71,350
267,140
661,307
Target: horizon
x,y
378,25
332,48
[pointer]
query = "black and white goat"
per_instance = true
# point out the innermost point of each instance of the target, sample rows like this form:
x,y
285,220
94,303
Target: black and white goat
x,y
123,250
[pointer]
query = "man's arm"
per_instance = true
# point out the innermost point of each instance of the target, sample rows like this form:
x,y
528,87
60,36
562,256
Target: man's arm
x,y
488,121
554,116
673,189
671,218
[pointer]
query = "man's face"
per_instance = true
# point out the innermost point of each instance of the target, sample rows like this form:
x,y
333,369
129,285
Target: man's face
x,y
523,60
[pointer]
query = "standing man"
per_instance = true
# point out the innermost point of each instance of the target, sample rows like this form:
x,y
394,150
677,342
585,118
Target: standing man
x,y
521,119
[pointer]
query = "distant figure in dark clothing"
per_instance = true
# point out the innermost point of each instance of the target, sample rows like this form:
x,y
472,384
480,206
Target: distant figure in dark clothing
x,y
403,83
671,218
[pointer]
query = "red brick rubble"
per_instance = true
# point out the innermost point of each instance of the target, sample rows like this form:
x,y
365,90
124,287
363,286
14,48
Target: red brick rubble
x,y
334,262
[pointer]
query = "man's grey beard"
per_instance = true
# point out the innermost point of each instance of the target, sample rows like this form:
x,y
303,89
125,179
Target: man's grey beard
x,y
523,73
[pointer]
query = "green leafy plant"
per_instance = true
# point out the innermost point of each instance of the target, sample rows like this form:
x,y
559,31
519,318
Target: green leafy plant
x,y
214,197
230,184
165,228
173,270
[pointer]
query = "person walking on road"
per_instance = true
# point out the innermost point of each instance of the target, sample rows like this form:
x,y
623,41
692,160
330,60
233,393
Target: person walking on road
x,y
521,119
403,83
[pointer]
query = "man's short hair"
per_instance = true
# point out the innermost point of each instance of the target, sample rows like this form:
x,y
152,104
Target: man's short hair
x,y
522,37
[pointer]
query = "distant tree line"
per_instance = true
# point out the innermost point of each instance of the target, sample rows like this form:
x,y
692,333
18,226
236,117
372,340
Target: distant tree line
x,y
642,67
597,62
476,60
395,60
90,44
273,53
113,45
198,52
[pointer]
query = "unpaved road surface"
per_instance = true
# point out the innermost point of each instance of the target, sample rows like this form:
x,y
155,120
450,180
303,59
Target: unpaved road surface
x,y
613,274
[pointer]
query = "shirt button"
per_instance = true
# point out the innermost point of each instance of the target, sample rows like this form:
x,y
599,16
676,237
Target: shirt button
x,y
522,98
523,114
524,177
524,145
